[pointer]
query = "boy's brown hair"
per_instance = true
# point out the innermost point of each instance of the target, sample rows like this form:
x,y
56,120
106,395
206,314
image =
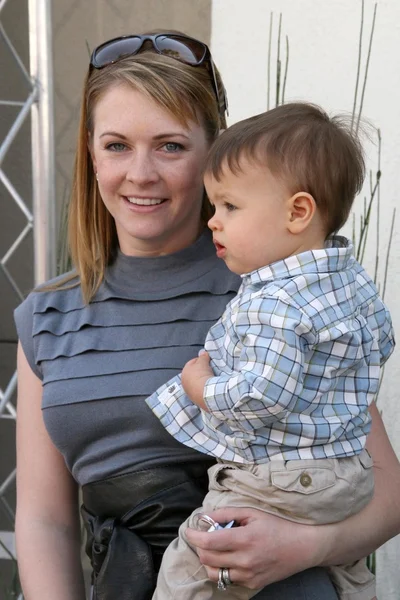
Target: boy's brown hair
x,y
304,147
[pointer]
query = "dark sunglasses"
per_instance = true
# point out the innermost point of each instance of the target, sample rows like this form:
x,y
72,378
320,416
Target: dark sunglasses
x,y
180,47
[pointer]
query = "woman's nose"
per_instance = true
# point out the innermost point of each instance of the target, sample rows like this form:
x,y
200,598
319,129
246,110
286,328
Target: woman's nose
x,y
141,169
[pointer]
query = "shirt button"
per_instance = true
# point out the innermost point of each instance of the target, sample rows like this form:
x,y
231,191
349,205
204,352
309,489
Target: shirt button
x,y
305,480
172,388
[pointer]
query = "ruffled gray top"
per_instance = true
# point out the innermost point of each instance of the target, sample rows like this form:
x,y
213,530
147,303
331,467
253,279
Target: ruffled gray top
x,y
98,362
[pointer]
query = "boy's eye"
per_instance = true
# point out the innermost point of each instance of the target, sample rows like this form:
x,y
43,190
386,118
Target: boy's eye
x,y
229,207
116,147
173,147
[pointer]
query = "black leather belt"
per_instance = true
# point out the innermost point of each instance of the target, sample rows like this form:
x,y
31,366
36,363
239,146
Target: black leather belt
x,y
130,520
147,508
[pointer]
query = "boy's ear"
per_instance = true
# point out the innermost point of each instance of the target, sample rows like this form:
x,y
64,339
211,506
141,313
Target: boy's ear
x,y
301,209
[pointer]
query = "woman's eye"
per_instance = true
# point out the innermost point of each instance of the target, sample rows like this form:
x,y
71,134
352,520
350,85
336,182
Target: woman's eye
x,y
172,147
116,147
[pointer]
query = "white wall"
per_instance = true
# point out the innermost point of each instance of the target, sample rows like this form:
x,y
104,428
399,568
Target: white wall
x,y
323,49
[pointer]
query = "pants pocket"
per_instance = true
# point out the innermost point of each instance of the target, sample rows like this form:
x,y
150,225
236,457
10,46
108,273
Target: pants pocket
x,y
303,480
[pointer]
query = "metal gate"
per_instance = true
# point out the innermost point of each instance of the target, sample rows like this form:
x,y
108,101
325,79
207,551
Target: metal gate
x,y
39,221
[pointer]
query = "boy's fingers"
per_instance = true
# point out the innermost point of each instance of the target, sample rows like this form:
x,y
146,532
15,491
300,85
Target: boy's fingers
x,y
215,541
222,540
192,361
240,515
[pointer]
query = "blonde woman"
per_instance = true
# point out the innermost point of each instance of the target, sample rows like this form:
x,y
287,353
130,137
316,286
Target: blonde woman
x,y
95,343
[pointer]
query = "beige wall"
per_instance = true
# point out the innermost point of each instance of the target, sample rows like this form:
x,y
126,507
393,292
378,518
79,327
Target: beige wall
x,y
323,39
79,26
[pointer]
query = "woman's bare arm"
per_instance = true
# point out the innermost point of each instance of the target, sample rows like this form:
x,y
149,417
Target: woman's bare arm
x,y
361,534
266,548
47,520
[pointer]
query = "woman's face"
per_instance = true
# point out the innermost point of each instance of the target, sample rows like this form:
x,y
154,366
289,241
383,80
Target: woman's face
x,y
149,169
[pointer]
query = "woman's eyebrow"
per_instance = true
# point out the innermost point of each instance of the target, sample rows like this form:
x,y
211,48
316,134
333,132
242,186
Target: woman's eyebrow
x,y
171,134
113,133
167,134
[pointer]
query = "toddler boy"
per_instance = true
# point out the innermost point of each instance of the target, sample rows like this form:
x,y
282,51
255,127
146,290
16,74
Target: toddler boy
x,y
281,395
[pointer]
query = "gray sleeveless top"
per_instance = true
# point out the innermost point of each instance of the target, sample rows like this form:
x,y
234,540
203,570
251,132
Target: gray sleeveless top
x,y
98,362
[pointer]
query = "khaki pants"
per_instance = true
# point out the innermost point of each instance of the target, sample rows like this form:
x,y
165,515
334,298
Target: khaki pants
x,y
313,492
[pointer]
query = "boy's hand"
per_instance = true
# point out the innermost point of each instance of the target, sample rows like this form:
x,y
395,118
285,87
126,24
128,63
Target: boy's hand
x,y
194,376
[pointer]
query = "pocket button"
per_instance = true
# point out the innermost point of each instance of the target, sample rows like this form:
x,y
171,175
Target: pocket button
x,y
305,480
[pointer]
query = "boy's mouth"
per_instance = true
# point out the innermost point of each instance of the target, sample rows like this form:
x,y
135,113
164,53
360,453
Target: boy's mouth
x,y
221,250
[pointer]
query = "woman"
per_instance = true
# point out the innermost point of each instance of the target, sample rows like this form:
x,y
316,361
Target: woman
x,y
95,343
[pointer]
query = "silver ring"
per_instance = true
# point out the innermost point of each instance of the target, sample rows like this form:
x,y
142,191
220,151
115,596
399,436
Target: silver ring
x,y
223,579
205,518
221,584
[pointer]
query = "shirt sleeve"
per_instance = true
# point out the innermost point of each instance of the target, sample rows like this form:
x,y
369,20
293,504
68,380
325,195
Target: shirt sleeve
x,y
386,336
23,316
273,338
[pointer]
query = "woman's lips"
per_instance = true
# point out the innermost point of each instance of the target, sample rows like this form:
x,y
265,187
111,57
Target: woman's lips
x,y
144,204
144,201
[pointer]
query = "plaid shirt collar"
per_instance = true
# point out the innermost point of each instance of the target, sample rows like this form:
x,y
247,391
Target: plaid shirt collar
x,y
336,256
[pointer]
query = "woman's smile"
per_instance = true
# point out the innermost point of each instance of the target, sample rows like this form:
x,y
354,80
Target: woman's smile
x,y
145,201
143,205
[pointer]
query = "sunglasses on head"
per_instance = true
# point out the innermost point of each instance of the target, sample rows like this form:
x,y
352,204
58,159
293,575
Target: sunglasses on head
x,y
180,47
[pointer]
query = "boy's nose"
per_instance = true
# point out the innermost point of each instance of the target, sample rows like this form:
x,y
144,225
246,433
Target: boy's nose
x,y
214,223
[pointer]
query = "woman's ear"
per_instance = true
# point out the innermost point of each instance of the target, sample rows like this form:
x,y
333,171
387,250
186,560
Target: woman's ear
x,y
302,208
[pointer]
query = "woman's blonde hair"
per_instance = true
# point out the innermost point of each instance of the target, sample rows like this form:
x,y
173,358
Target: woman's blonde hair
x,y
183,90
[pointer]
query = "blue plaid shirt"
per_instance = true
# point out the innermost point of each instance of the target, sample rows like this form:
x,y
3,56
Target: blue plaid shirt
x,y
297,357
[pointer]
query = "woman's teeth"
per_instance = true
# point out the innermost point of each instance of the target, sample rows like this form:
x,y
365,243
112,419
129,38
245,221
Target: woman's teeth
x,y
144,201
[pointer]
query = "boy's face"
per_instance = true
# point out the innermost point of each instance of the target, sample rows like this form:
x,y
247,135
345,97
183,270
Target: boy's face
x,y
251,214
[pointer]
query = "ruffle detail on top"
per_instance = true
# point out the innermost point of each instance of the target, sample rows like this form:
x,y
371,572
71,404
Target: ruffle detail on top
x,y
120,313
130,339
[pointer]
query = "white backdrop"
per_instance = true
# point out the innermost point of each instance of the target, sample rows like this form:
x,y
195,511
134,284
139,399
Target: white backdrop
x,y
323,52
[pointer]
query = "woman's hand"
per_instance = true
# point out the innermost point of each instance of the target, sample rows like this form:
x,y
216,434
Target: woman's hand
x,y
265,548
262,550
